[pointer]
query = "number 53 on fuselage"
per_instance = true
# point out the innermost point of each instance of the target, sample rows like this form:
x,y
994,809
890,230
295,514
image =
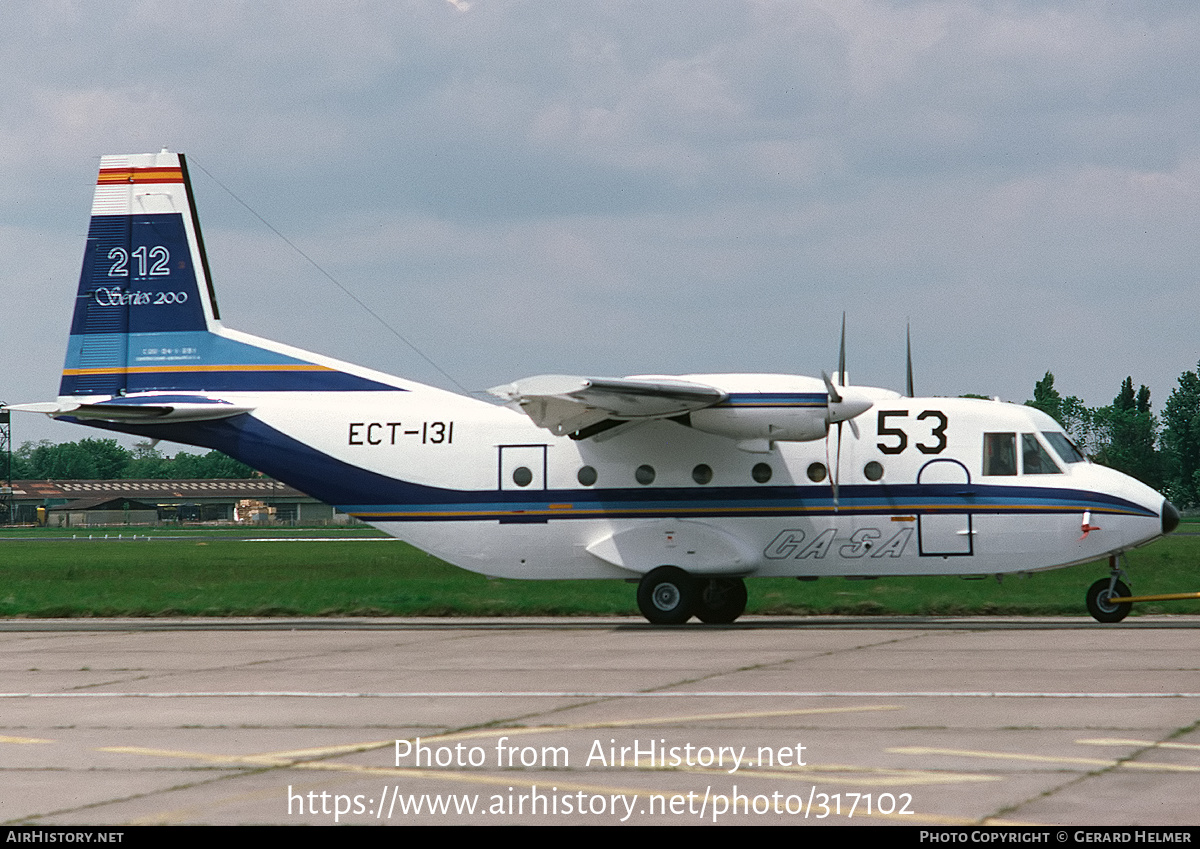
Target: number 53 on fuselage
x,y
687,484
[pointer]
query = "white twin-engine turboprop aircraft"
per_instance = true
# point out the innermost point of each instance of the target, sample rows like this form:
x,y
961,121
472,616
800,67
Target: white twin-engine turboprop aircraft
x,y
687,484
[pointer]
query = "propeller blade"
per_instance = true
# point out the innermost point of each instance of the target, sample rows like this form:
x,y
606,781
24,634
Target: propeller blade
x,y
837,468
832,467
841,372
834,396
908,358
843,405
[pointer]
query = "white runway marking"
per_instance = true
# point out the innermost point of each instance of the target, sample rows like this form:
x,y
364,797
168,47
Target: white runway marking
x,y
1046,759
320,539
600,694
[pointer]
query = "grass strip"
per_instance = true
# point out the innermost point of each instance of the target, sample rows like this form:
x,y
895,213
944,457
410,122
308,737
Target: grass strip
x,y
216,572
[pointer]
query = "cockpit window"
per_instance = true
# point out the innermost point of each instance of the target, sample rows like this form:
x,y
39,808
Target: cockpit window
x,y
999,453
1064,447
1035,460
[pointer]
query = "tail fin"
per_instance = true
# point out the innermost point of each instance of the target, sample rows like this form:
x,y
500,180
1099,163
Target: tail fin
x,y
146,317
144,288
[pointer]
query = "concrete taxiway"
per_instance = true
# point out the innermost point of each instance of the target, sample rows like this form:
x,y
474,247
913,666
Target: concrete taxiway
x,y
915,721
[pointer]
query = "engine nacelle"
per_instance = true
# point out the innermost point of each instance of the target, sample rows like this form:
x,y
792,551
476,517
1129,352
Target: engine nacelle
x,y
780,416
774,424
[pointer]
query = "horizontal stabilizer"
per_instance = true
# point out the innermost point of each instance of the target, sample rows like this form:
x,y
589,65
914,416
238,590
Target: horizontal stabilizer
x,y
144,409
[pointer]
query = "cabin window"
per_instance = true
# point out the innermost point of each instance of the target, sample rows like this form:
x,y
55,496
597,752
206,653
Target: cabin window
x,y
1035,460
586,476
702,474
999,453
522,476
816,472
1064,447
873,470
761,473
644,475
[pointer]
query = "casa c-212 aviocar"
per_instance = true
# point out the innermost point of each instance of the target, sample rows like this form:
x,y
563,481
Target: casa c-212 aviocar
x,y
687,484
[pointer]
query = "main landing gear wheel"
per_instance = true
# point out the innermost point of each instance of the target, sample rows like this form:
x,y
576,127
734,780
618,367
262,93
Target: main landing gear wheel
x,y
667,595
720,600
1101,608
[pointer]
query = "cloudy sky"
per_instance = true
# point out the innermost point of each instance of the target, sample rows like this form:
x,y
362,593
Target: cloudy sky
x,y
615,188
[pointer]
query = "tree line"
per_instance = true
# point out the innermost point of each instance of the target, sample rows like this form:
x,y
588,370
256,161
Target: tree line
x,y
1161,451
105,459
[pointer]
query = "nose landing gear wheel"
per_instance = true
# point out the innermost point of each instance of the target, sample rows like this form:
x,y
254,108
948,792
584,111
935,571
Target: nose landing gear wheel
x,y
1101,608
721,600
667,596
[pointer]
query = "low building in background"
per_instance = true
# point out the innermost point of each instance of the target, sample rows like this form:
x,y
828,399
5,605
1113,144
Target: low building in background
x,y
81,504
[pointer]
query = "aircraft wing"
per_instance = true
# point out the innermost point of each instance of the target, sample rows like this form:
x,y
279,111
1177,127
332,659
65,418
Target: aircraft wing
x,y
566,403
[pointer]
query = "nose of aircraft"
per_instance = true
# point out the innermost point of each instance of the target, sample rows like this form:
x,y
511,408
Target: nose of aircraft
x,y
1170,517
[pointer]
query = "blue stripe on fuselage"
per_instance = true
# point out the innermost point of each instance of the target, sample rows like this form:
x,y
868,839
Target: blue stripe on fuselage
x,y
803,400
377,497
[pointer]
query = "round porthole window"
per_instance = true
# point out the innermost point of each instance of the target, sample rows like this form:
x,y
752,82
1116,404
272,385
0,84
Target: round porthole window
x,y
702,474
873,470
644,475
587,476
522,476
816,472
761,472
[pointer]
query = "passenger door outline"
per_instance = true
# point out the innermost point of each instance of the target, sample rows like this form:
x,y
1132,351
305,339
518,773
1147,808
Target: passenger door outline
x,y
946,534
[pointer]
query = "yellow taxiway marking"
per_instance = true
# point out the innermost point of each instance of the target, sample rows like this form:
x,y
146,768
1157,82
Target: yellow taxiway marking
x,y
855,776
655,720
287,757
847,774
549,729
824,774
555,786
23,740
326,751
245,760
291,756
1105,741
1015,756
751,714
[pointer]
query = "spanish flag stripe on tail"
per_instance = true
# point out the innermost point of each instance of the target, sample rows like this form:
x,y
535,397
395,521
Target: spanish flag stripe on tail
x,y
139,175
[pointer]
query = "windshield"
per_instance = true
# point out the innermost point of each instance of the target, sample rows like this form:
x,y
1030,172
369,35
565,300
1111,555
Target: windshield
x,y
1063,446
1034,458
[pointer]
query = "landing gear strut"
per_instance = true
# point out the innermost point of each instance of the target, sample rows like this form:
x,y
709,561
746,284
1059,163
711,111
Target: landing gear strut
x,y
1099,596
